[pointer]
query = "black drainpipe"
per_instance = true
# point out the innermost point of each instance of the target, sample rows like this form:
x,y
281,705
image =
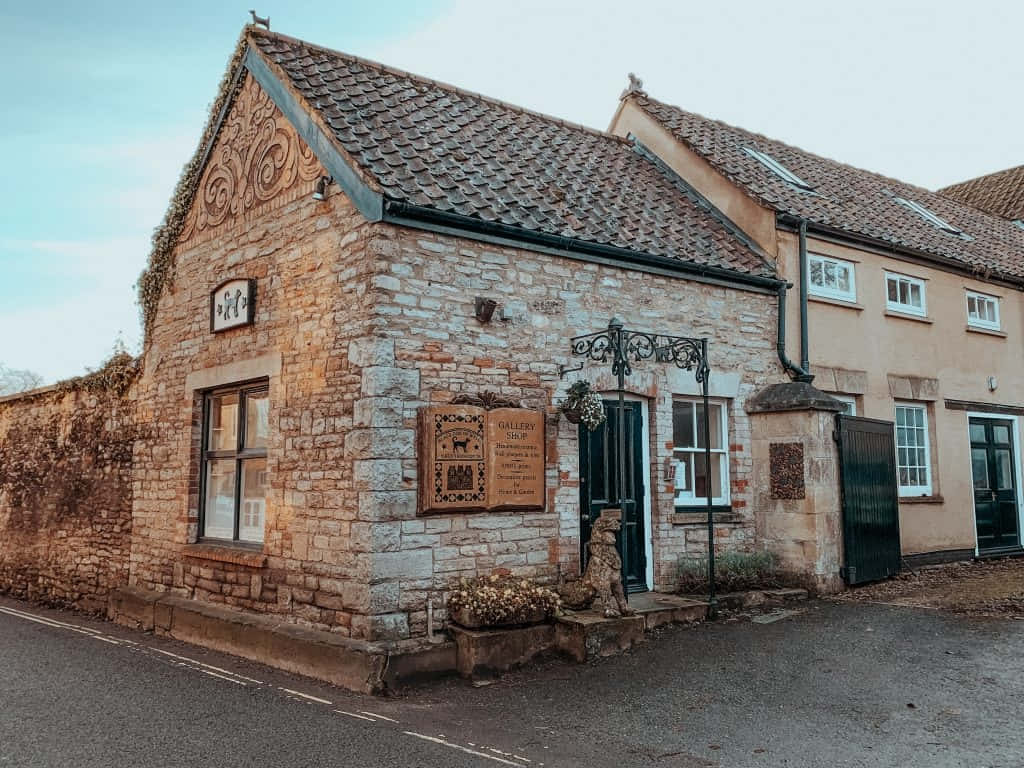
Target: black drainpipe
x,y
800,372
805,345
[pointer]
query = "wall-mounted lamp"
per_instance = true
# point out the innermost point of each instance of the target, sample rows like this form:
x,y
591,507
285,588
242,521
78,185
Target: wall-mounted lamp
x,y
483,308
993,382
320,190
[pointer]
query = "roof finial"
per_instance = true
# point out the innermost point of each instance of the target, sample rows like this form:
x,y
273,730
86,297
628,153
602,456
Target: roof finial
x,y
260,20
636,85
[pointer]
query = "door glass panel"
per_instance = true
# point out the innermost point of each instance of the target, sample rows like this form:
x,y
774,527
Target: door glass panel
x,y
682,424
979,468
257,421
219,511
1004,471
223,434
254,500
977,433
1001,433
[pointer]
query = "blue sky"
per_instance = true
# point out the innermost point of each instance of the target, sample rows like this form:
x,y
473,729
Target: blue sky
x,y
104,102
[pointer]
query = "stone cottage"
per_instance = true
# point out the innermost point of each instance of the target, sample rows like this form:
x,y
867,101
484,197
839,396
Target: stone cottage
x,y
344,231
360,315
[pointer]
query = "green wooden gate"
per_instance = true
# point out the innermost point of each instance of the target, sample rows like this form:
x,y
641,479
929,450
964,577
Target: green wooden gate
x,y
870,501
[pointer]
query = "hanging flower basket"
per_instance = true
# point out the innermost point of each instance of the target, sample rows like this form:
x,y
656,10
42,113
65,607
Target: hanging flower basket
x,y
582,405
572,415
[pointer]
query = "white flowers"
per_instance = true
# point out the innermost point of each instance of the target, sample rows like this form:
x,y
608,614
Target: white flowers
x,y
501,599
583,405
592,411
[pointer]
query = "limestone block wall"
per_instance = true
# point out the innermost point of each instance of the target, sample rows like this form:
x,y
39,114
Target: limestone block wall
x,y
426,347
65,496
313,299
806,533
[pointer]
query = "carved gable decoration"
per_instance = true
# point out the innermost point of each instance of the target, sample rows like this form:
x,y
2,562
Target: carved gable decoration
x,y
257,163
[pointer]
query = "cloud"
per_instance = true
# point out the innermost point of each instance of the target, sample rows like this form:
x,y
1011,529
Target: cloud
x,y
60,333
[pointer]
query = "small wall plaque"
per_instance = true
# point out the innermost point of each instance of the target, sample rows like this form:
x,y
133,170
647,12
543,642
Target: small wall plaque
x,y
232,303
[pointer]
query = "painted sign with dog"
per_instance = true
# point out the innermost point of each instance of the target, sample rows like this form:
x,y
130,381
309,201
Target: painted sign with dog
x,y
475,460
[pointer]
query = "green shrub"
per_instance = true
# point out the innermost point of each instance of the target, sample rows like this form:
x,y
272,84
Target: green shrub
x,y
734,571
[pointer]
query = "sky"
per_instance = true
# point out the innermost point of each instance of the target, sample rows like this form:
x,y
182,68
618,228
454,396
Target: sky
x,y
105,101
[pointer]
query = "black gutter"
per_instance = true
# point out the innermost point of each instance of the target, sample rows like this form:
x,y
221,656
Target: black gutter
x,y
397,212
791,223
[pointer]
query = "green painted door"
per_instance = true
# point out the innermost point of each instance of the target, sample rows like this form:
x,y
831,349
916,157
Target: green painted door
x,y
599,488
993,467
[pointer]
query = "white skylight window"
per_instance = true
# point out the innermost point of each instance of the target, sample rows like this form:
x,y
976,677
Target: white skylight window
x,y
928,216
1019,223
777,168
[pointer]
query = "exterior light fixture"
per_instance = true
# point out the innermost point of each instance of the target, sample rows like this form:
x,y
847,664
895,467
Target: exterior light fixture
x,y
320,190
483,308
993,383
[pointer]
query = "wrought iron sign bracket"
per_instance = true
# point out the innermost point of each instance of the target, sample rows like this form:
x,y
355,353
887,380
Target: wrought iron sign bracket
x,y
623,347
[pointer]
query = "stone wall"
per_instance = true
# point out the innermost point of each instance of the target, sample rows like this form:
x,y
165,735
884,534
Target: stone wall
x,y
312,300
65,496
803,528
426,347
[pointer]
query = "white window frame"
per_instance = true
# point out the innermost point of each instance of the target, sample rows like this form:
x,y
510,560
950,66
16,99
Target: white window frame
x,y
686,497
909,491
929,216
850,400
977,322
906,309
777,168
831,293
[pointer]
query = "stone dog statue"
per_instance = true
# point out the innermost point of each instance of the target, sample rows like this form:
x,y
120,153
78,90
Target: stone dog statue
x,y
603,577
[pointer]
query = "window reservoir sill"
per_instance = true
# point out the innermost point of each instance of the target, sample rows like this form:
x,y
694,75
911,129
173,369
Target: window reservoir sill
x,y
986,331
922,500
239,554
908,316
697,515
847,303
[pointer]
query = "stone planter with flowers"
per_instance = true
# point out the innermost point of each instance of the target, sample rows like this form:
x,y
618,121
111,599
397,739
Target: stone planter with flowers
x,y
497,601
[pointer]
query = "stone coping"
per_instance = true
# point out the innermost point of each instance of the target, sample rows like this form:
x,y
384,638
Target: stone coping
x,y
358,665
792,396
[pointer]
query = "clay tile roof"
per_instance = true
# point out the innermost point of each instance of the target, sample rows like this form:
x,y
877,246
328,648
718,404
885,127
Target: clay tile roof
x,y
851,200
434,145
1000,193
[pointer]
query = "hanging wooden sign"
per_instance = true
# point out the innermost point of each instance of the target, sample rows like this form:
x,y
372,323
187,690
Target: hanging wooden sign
x,y
472,459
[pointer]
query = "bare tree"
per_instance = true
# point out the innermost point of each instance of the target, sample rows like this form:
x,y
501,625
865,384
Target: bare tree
x,y
13,380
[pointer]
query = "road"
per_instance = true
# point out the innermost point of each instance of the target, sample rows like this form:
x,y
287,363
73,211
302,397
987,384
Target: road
x,y
835,685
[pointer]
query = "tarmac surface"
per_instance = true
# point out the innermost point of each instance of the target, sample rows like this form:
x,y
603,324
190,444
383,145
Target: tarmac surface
x,y
831,684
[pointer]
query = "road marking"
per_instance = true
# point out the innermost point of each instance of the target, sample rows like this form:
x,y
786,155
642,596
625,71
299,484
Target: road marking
x,y
307,696
459,747
353,714
54,624
207,666
380,717
51,620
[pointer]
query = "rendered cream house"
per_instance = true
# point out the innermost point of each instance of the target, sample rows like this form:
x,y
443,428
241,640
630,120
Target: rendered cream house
x,y
914,313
